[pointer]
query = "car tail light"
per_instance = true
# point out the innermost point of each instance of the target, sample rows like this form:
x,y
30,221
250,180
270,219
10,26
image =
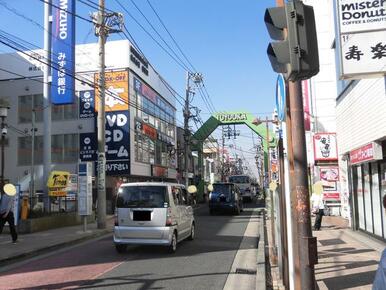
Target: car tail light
x,y
169,220
116,223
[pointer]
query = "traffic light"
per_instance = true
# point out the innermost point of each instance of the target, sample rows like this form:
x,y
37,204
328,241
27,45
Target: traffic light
x,y
295,54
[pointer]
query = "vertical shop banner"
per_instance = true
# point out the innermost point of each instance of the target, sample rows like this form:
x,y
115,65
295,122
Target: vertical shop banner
x,y
63,52
306,104
86,104
116,92
88,146
325,147
117,142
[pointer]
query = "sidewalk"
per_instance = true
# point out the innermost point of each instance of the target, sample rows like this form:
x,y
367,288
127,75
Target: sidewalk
x,y
29,245
347,259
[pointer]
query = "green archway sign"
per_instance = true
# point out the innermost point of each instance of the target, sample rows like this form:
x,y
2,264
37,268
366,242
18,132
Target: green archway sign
x,y
227,118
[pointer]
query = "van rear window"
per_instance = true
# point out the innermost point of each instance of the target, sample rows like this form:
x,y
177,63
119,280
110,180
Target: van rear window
x,y
141,196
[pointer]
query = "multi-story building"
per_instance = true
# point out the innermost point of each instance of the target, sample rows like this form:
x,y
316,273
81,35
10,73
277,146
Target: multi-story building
x,y
140,117
361,112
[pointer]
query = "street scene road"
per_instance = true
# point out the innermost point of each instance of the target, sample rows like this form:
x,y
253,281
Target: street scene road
x,y
203,263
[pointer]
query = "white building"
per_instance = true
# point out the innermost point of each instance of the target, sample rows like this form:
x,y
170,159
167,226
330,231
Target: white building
x,y
319,97
361,114
140,126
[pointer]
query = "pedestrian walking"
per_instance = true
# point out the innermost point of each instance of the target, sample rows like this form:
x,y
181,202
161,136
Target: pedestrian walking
x,y
317,209
6,210
380,276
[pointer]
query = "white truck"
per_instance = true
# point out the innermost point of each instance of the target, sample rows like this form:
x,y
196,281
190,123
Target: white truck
x,y
244,184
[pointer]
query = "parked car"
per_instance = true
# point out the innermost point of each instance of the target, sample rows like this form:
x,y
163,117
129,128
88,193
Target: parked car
x,y
152,213
225,196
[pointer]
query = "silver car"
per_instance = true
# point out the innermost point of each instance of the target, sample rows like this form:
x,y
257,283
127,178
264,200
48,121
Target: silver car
x,y
152,213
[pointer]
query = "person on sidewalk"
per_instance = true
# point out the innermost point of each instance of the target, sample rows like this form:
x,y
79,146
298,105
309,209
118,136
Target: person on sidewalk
x,y
380,276
6,214
317,209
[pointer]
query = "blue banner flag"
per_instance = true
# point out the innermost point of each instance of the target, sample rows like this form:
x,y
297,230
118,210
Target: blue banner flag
x,y
63,52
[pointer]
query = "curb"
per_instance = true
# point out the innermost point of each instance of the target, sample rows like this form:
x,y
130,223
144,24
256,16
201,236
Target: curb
x,y
260,261
51,248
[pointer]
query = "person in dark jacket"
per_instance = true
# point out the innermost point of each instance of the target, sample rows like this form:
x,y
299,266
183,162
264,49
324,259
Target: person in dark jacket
x,y
6,215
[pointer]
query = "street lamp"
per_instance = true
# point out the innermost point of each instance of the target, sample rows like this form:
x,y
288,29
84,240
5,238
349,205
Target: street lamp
x,y
3,114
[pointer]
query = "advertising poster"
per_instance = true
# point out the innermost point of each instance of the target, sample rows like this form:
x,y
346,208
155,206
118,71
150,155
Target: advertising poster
x,y
117,143
329,176
325,147
63,52
86,104
117,91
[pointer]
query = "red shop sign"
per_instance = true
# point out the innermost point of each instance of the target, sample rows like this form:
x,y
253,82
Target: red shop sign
x,y
369,152
149,131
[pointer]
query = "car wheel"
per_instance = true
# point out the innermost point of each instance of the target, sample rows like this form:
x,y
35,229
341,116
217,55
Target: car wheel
x,y
211,211
120,248
173,243
192,232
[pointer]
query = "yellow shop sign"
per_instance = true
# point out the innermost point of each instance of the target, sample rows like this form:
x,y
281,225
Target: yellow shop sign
x,y
58,179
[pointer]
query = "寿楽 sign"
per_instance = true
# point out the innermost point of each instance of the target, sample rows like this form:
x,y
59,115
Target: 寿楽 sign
x,y
86,104
231,117
362,29
63,52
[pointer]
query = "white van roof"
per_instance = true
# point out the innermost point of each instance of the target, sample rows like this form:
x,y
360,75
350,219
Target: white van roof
x,y
151,183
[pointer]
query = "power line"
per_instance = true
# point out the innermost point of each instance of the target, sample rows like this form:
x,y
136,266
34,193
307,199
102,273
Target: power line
x,y
164,26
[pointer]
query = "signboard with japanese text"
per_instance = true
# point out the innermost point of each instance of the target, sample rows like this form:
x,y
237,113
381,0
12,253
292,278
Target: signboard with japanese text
x,y
117,143
362,41
145,90
85,188
86,104
325,147
369,152
88,146
63,52
116,93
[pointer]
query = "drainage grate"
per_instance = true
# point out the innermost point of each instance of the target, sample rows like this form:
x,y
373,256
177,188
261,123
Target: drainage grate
x,y
245,271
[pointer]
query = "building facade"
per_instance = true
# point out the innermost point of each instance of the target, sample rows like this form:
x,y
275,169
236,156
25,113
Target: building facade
x,y
361,113
140,117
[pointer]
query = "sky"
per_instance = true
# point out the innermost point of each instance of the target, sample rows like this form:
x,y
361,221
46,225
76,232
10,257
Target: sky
x,y
225,40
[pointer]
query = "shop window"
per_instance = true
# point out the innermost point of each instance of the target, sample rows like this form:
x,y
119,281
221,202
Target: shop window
x,y
359,191
377,205
367,198
383,193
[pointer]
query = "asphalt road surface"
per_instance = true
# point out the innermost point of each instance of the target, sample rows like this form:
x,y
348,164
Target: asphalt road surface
x,y
203,263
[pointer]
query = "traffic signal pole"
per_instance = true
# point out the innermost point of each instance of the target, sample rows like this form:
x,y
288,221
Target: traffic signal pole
x,y
307,250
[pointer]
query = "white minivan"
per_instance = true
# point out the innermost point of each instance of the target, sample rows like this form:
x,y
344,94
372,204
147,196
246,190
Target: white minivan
x,y
152,213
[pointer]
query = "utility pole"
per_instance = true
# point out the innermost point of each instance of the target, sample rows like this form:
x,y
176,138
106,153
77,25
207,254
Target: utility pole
x,y
33,130
306,242
47,99
222,155
186,129
102,30
197,79
101,119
